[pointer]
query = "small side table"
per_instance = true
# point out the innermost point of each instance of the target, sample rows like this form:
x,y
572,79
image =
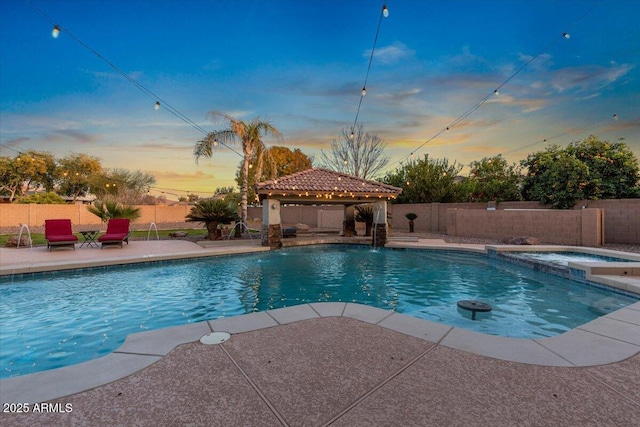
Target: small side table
x,y
90,238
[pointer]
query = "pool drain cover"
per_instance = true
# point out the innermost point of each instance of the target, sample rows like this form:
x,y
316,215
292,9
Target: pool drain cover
x,y
215,338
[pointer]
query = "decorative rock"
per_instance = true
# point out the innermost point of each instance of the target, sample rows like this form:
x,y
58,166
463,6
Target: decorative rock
x,y
302,227
524,240
12,242
178,234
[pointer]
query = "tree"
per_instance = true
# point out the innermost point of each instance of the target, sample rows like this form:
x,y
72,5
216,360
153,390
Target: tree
x,y
364,213
590,169
108,209
411,217
77,173
425,181
27,171
361,156
555,177
249,133
493,179
125,186
273,163
49,198
613,168
212,212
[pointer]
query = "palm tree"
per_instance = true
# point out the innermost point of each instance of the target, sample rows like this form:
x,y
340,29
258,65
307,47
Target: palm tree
x,y
212,212
249,133
364,213
108,209
411,217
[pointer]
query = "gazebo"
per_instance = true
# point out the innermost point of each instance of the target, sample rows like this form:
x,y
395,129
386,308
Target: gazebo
x,y
323,186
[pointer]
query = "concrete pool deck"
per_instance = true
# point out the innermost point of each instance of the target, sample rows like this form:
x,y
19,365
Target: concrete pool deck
x,y
331,363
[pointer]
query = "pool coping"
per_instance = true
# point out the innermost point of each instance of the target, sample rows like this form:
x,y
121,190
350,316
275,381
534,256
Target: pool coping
x,y
609,339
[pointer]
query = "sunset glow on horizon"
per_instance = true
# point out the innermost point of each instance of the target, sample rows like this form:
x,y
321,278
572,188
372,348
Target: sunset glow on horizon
x,y
506,77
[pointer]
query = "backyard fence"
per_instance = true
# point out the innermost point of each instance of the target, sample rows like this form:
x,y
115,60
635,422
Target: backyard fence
x,y
591,223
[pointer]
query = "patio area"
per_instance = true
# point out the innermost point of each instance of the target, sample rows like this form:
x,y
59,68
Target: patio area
x,y
329,364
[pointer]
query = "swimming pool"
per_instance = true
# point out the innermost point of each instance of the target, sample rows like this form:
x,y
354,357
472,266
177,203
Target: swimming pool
x,y
59,319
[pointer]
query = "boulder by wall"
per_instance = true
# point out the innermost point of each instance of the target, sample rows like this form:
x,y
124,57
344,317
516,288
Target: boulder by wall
x,y
522,240
178,234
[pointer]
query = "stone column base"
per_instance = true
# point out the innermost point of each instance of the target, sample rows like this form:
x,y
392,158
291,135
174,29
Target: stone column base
x,y
272,236
379,238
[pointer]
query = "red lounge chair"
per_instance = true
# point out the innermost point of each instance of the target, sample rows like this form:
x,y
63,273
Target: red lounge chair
x,y
117,232
58,233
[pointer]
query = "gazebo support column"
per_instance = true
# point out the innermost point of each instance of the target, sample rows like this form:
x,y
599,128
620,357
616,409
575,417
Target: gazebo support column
x,y
379,238
349,223
271,226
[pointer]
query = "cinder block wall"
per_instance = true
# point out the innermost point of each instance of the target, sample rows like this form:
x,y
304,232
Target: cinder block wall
x,y
564,227
621,219
620,222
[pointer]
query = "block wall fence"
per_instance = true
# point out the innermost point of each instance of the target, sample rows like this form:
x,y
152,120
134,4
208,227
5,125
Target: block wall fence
x,y
604,221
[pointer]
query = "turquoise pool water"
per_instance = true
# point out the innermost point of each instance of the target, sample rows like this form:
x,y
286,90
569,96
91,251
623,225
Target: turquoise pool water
x,y
564,258
60,319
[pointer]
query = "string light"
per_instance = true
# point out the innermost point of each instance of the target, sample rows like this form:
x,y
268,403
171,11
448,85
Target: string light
x,y
56,31
157,106
384,13
566,35
496,92
615,117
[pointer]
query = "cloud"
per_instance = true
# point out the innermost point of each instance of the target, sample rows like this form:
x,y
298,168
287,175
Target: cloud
x,y
590,77
391,54
74,135
526,105
164,146
14,142
175,176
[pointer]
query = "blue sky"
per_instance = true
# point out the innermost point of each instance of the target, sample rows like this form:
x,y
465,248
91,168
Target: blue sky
x,y
302,65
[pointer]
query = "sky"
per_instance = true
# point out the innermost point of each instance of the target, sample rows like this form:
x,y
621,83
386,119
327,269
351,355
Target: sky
x,y
302,64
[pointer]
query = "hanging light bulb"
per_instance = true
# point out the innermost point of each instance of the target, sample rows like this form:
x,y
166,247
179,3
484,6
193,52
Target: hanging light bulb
x,y
496,92
345,161
351,136
566,35
448,129
215,142
615,117
250,165
55,32
385,11
157,106
364,91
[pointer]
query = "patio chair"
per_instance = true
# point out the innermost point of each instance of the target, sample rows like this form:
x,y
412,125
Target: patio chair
x,y
58,233
117,232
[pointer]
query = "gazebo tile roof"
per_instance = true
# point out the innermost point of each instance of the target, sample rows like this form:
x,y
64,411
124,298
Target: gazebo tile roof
x,y
324,180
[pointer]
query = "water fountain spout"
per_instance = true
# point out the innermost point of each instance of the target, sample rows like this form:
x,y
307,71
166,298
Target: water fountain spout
x,y
241,224
22,227
152,225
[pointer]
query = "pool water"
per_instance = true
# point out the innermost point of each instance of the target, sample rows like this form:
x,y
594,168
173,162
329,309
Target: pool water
x,y
564,258
60,319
